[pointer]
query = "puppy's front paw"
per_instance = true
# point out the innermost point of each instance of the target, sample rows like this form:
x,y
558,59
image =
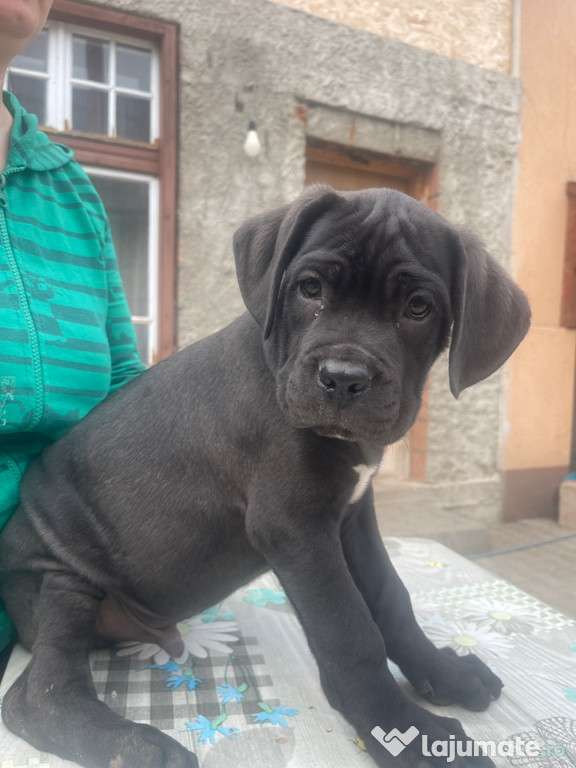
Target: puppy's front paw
x,y
447,678
415,738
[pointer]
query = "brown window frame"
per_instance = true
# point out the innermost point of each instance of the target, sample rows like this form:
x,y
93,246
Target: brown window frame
x,y
568,306
159,159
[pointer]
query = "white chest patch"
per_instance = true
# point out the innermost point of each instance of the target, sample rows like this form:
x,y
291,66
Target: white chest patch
x,y
365,474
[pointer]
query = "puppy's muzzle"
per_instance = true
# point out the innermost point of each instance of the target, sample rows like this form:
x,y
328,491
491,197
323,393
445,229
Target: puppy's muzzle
x,y
343,380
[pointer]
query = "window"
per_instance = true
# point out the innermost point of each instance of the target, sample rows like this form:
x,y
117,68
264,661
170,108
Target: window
x,y
28,77
89,82
93,78
129,198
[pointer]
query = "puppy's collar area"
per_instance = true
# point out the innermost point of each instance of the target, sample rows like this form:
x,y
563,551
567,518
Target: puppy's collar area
x,y
365,475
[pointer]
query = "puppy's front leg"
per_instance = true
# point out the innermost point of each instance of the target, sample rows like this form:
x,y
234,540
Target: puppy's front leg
x,y
306,553
439,675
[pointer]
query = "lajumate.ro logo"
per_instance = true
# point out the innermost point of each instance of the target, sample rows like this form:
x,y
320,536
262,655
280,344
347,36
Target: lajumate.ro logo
x,y
396,741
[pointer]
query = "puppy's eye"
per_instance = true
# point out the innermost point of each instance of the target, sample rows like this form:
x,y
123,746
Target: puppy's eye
x,y
311,288
417,308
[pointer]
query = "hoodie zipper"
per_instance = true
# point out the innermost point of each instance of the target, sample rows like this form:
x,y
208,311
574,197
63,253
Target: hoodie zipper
x,y
24,304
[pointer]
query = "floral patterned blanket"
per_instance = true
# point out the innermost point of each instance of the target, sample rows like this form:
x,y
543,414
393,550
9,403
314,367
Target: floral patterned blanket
x,y
247,693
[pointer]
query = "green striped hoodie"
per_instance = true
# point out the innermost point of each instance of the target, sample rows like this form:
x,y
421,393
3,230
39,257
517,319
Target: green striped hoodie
x,y
66,337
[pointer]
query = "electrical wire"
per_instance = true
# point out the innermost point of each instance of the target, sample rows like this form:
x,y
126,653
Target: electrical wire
x,y
482,555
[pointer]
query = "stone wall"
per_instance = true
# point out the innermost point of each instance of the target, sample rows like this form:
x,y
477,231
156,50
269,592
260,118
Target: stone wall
x,y
477,31
245,60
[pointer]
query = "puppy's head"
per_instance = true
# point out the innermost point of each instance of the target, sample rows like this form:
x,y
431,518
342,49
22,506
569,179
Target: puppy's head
x,y
357,293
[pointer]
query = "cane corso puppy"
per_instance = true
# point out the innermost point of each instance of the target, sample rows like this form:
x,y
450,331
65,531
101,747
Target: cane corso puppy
x,y
251,450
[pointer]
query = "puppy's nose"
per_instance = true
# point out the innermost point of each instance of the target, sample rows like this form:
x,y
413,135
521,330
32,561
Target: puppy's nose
x,y
343,378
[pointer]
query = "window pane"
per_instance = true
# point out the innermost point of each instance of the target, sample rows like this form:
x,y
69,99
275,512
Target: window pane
x,y
126,204
132,118
133,68
142,336
89,110
35,55
90,59
31,93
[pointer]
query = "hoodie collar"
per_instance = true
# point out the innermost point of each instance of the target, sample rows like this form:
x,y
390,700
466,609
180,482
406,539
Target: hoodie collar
x,y
29,147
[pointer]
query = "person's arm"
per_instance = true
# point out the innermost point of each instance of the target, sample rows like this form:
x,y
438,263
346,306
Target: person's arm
x,y
126,363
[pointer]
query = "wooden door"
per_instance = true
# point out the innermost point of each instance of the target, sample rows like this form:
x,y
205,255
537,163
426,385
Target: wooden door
x,y
350,169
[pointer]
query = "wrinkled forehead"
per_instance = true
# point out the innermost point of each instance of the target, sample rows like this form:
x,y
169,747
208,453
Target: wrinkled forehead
x,y
384,227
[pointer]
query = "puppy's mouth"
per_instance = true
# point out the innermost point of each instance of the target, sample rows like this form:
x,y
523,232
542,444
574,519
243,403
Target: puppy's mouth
x,y
335,432
379,432
367,421
341,392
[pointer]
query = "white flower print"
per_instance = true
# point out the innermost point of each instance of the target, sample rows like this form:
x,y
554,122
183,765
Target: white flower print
x,y
467,637
501,615
199,637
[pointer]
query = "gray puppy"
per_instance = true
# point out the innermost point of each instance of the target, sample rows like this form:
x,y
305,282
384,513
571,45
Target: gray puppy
x,y
251,450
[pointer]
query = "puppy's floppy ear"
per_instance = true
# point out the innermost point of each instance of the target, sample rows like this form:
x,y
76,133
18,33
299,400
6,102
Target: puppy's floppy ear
x,y
265,245
491,315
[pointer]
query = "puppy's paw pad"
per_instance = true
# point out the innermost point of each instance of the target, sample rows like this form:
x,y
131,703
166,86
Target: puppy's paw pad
x,y
449,678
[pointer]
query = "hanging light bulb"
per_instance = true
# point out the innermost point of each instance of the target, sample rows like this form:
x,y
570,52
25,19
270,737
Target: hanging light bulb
x,y
252,145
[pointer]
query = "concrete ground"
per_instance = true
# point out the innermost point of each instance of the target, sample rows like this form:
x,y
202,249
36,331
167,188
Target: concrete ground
x,y
546,571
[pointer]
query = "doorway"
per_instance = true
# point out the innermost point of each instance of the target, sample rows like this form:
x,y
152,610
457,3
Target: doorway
x,y
349,168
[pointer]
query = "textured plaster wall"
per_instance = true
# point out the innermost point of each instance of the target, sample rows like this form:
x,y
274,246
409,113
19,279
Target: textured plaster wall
x,y
247,60
476,31
542,376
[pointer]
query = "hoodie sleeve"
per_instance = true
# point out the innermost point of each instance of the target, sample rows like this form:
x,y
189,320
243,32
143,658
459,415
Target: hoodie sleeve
x,y
125,359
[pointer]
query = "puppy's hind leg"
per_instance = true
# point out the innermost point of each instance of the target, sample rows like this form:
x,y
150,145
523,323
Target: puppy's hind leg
x,y
53,704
